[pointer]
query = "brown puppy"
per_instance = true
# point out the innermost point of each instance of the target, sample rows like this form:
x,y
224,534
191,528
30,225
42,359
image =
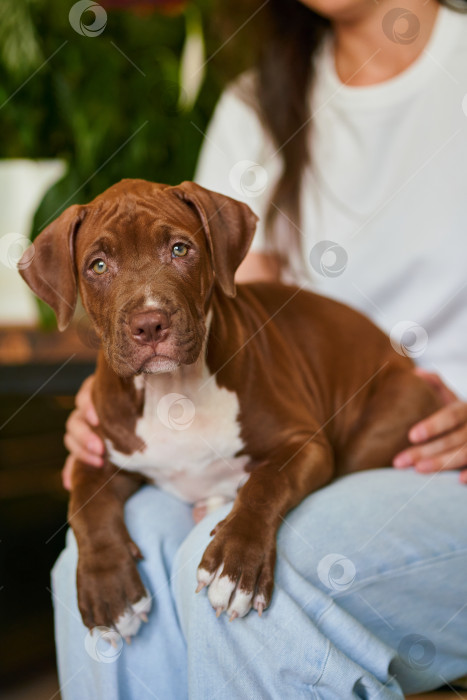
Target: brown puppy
x,y
279,390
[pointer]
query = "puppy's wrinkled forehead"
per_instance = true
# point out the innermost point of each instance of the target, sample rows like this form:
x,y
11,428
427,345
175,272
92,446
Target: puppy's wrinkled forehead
x,y
137,222
132,217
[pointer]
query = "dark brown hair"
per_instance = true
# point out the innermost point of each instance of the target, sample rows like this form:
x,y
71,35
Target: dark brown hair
x,y
292,35
278,39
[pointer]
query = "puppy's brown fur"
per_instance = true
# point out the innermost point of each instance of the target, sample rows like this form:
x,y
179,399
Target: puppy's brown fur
x,y
321,391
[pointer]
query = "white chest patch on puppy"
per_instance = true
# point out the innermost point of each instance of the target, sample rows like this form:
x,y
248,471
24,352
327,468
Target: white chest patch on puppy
x,y
191,431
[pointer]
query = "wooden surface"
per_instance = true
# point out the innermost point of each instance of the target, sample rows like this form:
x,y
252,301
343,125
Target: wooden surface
x,y
23,344
440,695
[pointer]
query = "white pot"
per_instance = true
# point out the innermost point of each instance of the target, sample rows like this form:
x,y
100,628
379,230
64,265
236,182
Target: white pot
x,y
23,183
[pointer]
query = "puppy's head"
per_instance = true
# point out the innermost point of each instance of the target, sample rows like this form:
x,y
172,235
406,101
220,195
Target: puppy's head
x,y
145,258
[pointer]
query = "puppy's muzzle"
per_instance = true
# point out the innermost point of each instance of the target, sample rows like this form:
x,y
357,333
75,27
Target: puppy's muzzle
x,y
149,327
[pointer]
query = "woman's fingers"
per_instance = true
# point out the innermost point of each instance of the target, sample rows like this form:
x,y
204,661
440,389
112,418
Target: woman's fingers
x,y
84,401
67,471
91,415
451,459
447,418
441,441
77,451
82,433
82,441
438,453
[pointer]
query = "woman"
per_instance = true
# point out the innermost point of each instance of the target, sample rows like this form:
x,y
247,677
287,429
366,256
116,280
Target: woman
x,y
370,587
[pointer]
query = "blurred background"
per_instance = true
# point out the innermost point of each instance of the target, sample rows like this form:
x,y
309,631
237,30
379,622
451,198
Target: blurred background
x,y
89,94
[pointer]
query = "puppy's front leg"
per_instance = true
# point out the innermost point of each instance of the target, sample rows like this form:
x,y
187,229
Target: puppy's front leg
x,y
110,590
238,565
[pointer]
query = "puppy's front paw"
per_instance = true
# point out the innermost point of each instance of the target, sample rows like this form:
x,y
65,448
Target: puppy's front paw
x,y
110,591
129,623
238,567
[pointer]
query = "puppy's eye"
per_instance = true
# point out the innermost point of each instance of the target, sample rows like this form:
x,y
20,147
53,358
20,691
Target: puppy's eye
x,y
179,250
99,267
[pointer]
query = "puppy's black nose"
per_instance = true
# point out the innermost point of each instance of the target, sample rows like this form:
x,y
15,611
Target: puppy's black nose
x,y
149,327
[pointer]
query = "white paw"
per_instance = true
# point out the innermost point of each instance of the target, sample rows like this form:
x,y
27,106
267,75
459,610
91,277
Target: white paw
x,y
224,594
220,591
240,604
204,578
129,623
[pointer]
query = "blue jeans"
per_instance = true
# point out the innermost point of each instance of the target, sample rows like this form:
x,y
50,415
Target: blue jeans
x,y
370,601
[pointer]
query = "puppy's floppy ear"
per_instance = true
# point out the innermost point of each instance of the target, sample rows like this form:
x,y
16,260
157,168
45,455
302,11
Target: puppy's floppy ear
x,y
50,271
229,227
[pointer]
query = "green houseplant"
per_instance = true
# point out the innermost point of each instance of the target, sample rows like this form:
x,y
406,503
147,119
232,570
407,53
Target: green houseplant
x,y
110,104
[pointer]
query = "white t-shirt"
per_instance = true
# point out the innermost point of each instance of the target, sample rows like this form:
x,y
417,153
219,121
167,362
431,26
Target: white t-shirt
x,y
387,187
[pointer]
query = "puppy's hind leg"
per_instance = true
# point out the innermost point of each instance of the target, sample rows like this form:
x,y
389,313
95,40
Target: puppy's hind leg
x,y
400,400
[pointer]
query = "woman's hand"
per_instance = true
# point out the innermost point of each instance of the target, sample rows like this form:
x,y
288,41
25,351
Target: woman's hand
x,y
440,441
80,439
